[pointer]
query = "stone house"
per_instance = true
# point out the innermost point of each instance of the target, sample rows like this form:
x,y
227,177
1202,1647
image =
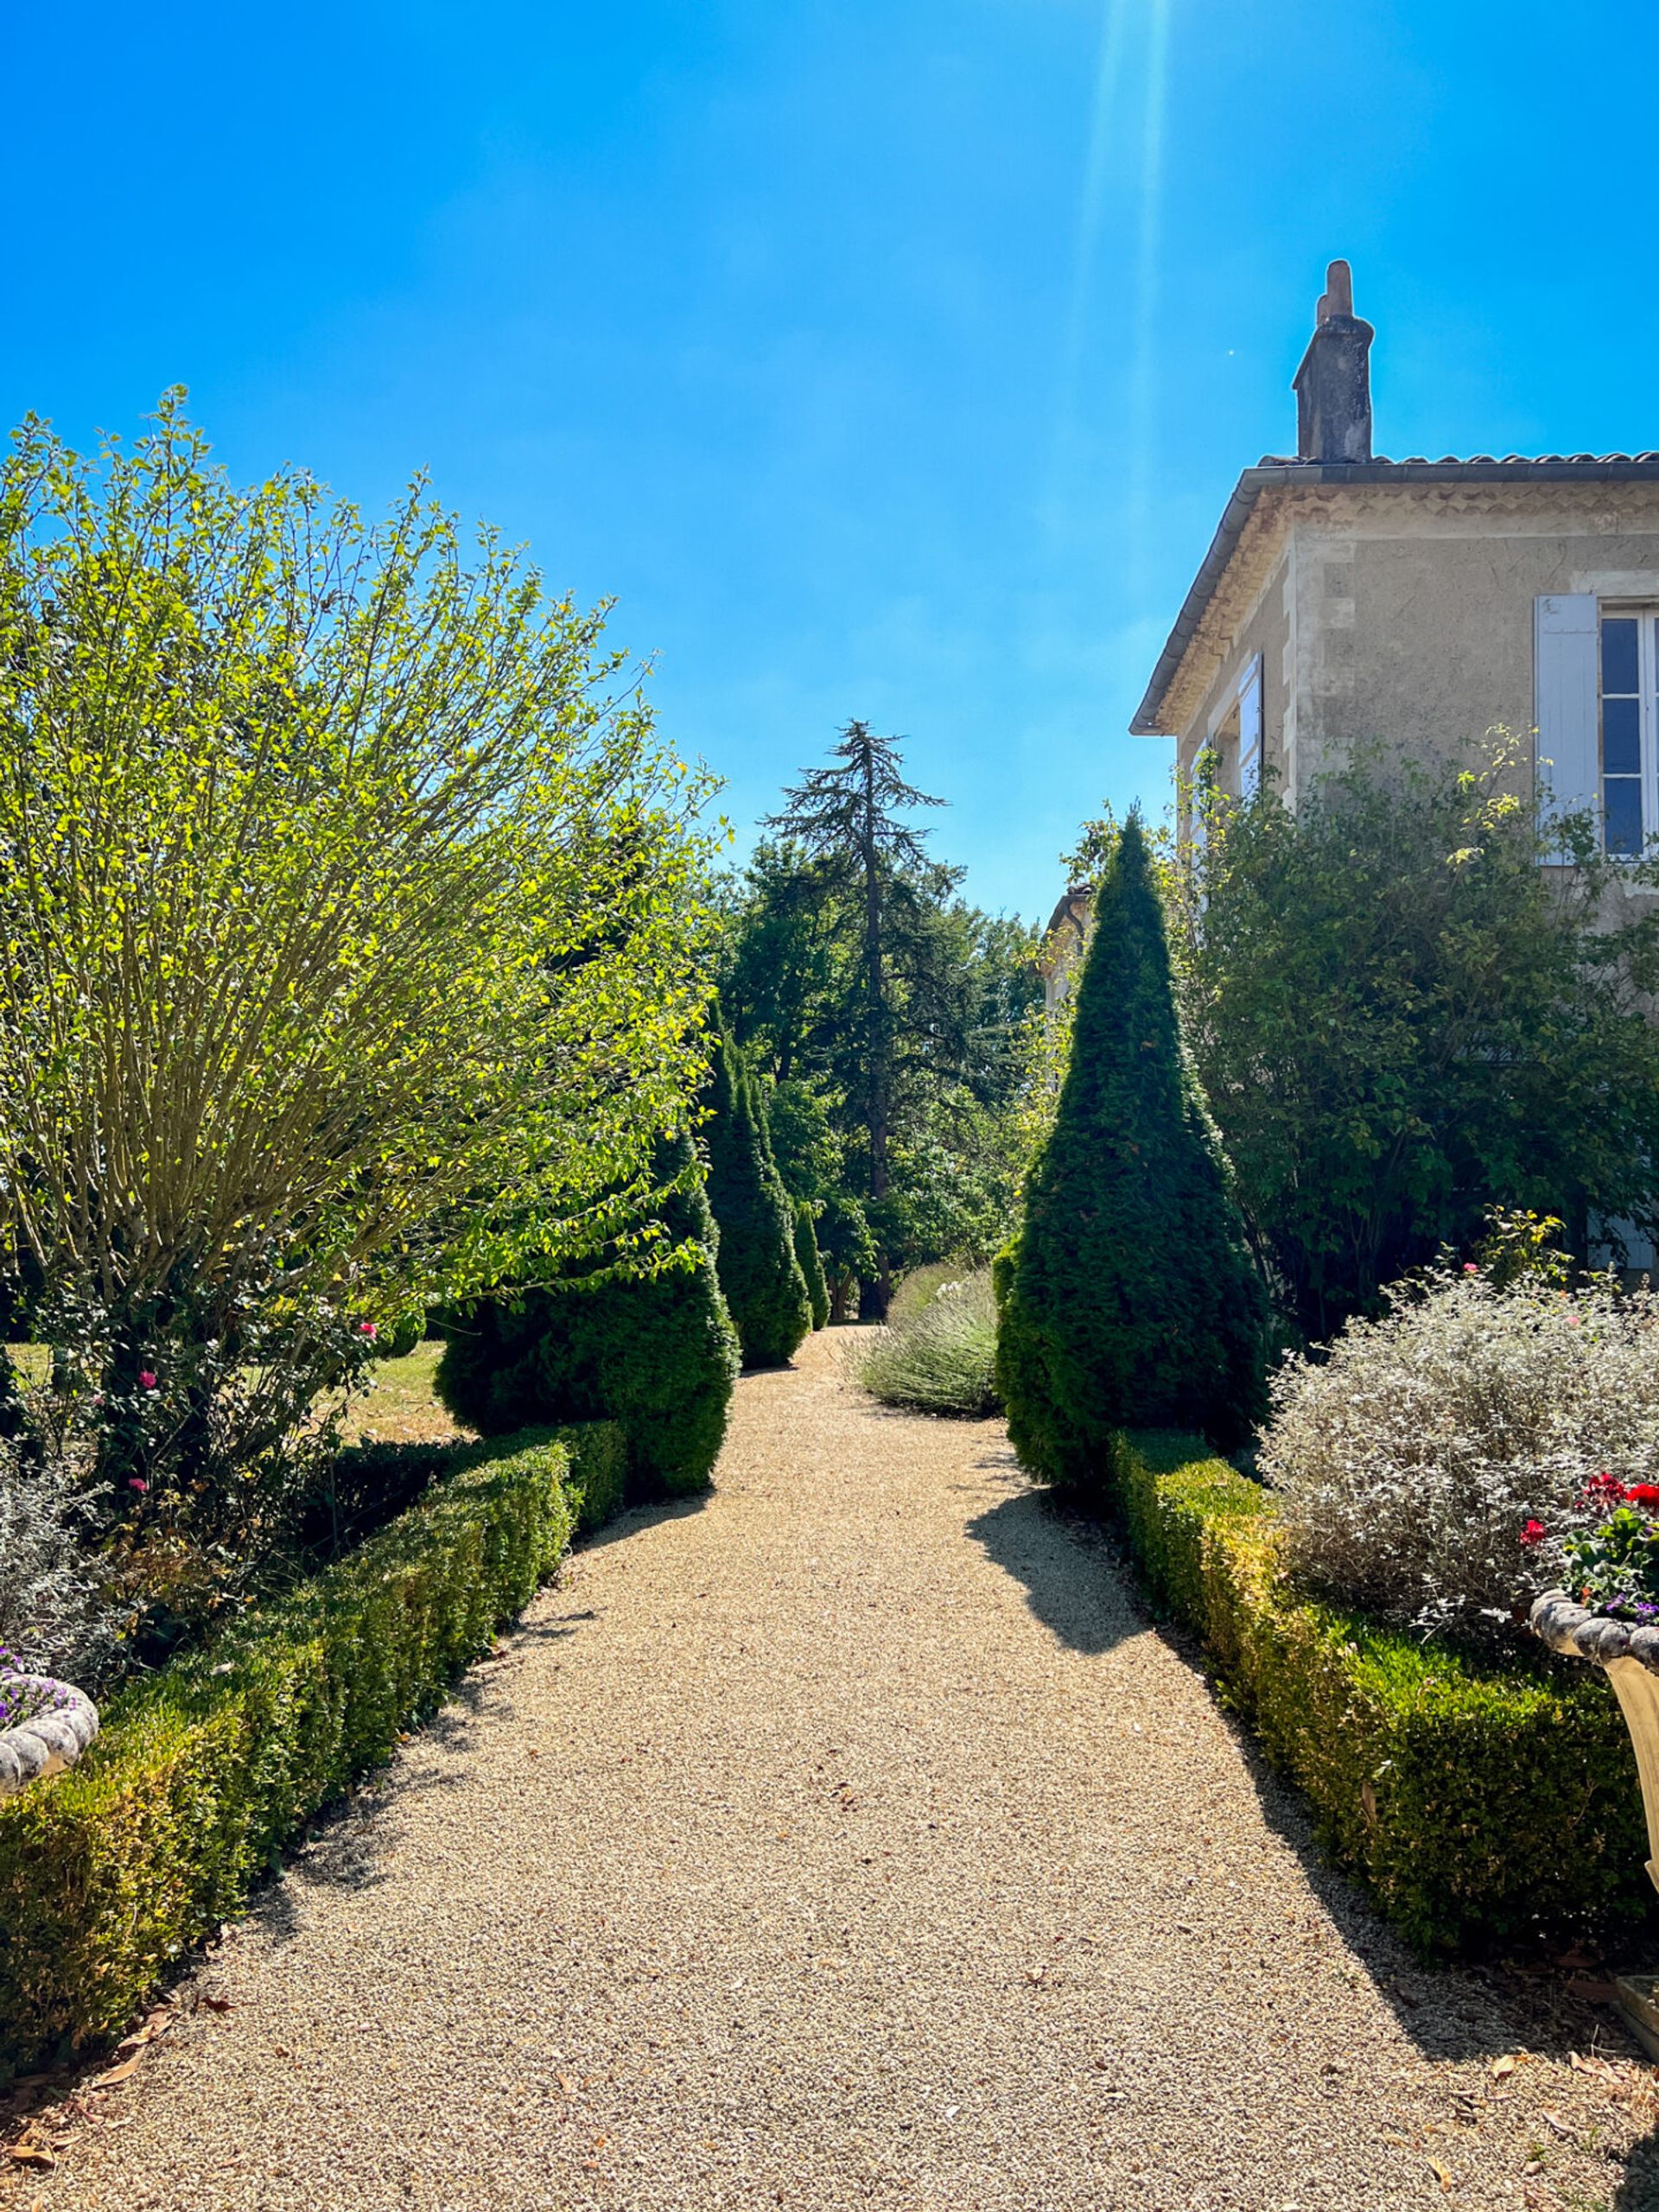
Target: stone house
x,y
1347,597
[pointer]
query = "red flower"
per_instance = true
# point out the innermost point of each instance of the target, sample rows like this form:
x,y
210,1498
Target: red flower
x,y
1534,1533
1606,1486
136,1482
146,1378
1644,1493
367,1329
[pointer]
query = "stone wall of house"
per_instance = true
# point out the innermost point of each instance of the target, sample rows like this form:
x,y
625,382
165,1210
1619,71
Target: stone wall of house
x,y
1405,616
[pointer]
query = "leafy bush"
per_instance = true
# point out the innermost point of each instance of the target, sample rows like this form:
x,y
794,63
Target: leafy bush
x,y
656,1352
1131,1300
811,1264
1488,1806
342,898
759,1272
202,1773
1407,1461
939,1356
55,1616
1400,1018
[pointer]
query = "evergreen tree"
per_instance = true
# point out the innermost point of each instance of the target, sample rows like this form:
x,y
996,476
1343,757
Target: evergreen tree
x,y
1130,1299
811,1261
759,1272
657,1353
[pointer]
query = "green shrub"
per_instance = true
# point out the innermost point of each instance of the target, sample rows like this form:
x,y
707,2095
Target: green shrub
x,y
811,1264
598,1481
759,1272
1488,1806
940,1355
656,1353
403,1336
111,1872
1132,1301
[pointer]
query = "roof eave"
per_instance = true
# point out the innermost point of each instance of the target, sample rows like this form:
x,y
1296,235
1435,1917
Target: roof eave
x,y
1149,719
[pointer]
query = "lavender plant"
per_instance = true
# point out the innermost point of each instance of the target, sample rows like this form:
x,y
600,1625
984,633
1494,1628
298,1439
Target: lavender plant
x,y
54,1616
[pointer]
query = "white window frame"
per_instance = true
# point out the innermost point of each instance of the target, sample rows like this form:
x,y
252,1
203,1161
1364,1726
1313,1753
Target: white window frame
x,y
1239,763
1645,614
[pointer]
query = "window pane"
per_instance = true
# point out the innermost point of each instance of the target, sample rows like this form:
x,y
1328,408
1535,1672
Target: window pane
x,y
1618,654
1621,737
1624,804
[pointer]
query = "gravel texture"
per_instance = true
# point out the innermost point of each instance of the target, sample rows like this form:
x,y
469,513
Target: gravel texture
x,y
847,1839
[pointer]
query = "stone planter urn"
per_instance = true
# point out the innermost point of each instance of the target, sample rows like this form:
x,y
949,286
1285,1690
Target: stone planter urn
x,y
55,1724
1630,1658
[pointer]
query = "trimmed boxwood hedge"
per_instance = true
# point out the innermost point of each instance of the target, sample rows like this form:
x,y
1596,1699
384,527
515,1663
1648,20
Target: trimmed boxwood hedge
x,y
201,1774
1489,1809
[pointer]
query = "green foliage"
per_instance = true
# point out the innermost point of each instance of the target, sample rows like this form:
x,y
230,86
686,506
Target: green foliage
x,y
759,1272
1488,1807
655,1351
1400,1018
1131,1300
854,972
811,1264
402,1338
342,890
203,1772
939,1355
849,1250
597,1485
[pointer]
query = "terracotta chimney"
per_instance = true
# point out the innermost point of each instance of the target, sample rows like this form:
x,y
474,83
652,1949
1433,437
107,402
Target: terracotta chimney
x,y
1333,386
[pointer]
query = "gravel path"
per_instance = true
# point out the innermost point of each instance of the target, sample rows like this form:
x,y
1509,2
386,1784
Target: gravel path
x,y
850,1840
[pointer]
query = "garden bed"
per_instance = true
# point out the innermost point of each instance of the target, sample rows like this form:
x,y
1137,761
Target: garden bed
x,y
111,1872
1488,1806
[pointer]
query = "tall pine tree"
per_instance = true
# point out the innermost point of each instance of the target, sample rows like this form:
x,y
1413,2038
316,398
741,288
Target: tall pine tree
x,y
1130,1299
848,820
758,1271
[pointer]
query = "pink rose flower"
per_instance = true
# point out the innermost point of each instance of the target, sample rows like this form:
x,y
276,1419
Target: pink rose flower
x,y
367,1329
146,1378
136,1482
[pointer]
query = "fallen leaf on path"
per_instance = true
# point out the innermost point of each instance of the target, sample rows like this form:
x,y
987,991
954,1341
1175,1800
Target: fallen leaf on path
x,y
1501,2067
217,2004
31,2154
1440,2176
117,2074
568,2084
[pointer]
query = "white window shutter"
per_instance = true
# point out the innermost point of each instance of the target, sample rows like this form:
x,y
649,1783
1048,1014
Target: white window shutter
x,y
1249,731
1569,739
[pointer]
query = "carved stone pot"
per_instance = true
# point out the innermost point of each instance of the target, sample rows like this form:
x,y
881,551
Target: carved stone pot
x,y
1629,1658
59,1723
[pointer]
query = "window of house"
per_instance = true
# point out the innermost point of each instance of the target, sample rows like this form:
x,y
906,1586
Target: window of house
x,y
1629,727
1236,740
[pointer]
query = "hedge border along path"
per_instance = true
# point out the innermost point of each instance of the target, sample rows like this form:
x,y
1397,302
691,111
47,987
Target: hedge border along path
x,y
846,1842
1488,1809
111,1872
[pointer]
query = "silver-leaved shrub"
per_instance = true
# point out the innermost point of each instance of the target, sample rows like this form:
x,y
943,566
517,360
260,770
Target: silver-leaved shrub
x,y
54,1617
1407,1462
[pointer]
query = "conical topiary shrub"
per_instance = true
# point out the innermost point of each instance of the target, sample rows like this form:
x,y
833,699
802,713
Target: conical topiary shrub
x,y
759,1272
811,1264
1130,1299
657,1353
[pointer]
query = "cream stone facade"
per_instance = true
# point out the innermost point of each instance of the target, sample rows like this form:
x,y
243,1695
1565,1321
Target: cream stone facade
x,y
1398,606
1417,605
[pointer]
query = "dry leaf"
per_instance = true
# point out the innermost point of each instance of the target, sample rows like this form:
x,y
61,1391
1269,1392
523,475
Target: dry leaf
x,y
1440,2176
118,2073
1035,1974
567,2082
31,2154
217,2004
1501,2067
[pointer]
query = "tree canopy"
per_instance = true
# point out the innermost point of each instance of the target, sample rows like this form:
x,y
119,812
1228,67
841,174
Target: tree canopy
x,y
1402,1018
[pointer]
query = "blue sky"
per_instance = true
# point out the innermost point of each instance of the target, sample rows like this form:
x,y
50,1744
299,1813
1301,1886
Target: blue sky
x,y
890,358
